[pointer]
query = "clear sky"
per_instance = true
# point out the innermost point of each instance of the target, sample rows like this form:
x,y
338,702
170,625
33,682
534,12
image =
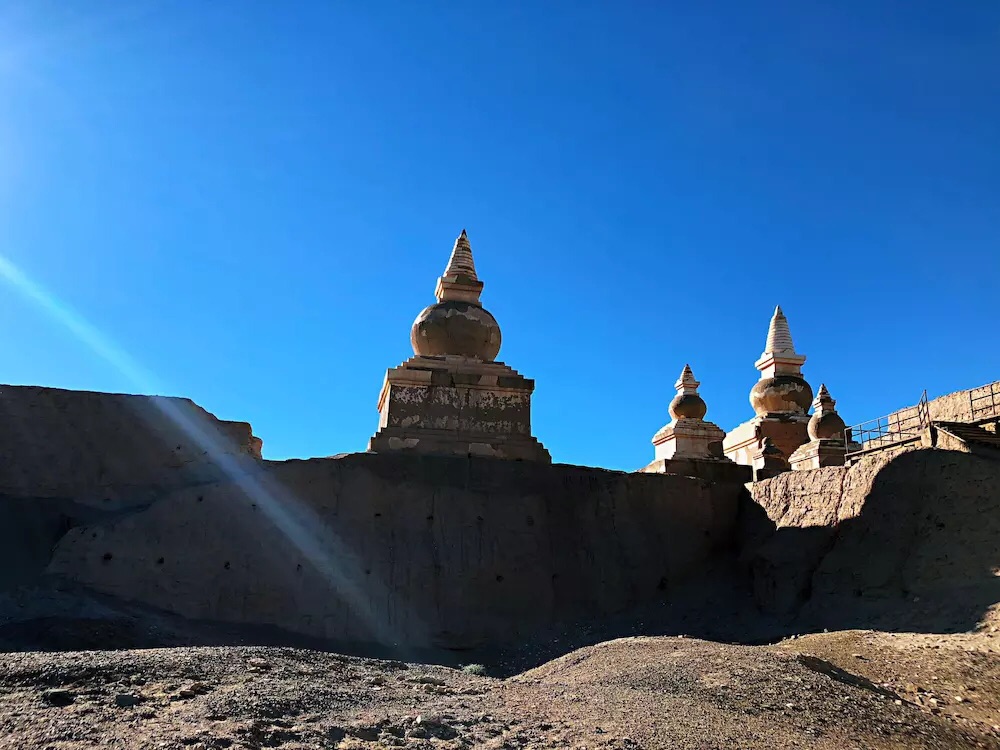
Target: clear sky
x,y
253,200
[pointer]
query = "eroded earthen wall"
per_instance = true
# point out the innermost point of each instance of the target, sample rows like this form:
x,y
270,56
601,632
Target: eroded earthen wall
x,y
156,501
110,450
970,405
915,529
408,549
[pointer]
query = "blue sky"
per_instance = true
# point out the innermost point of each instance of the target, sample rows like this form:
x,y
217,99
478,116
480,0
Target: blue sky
x,y
253,201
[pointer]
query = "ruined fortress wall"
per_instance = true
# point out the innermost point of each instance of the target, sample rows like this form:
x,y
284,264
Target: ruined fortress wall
x,y
420,550
156,501
958,406
109,450
955,407
918,526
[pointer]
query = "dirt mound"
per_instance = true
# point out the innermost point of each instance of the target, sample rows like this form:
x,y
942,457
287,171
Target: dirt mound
x,y
675,692
956,676
628,694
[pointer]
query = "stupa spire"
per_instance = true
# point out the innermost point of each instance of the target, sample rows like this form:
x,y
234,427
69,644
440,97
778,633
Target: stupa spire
x,y
824,401
779,337
779,354
686,382
459,280
461,262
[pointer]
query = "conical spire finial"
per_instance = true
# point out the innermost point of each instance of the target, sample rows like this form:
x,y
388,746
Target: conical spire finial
x,y
459,280
779,337
461,262
779,352
686,382
824,401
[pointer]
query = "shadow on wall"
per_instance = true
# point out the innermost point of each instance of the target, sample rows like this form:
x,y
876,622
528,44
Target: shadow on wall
x,y
417,551
155,504
918,550
30,528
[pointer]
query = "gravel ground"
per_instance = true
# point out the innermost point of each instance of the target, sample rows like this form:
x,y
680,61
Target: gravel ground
x,y
839,690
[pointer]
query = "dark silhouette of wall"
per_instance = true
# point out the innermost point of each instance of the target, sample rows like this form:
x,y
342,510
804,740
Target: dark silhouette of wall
x,y
421,550
154,501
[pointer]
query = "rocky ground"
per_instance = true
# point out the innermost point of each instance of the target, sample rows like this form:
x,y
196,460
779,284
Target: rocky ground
x,y
856,689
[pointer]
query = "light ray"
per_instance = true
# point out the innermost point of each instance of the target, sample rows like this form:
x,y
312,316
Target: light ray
x,y
303,527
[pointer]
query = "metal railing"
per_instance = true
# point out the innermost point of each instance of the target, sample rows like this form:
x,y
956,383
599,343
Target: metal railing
x,y
899,427
984,403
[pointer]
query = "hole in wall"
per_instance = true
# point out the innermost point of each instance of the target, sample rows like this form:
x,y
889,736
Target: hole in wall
x,y
226,566
499,579
159,561
200,498
107,556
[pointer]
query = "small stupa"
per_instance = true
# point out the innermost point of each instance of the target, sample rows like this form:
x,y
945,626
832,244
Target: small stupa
x,y
688,444
768,461
780,398
453,397
827,444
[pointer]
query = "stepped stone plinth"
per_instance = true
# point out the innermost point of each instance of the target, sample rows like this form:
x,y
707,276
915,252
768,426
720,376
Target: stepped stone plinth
x,y
689,445
827,445
452,397
780,399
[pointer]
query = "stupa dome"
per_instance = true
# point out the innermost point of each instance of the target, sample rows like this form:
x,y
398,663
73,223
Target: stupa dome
x,y
781,394
458,328
457,324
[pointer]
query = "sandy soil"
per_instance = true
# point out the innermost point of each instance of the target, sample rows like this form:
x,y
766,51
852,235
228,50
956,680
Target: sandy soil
x,y
836,690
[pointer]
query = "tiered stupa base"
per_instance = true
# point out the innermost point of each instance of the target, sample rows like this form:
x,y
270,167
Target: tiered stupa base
x,y
818,453
788,431
711,469
456,405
